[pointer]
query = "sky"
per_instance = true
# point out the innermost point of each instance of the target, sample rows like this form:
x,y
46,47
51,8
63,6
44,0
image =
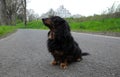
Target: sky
x,y
82,7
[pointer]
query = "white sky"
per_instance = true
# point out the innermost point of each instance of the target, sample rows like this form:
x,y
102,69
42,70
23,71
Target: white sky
x,y
82,7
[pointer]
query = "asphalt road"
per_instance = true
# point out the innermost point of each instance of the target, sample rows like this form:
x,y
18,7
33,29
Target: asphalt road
x,y
24,54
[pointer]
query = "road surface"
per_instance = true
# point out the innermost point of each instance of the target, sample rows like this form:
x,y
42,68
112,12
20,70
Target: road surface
x,y
24,54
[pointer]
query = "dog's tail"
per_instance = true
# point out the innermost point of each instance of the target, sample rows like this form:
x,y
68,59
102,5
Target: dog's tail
x,y
85,54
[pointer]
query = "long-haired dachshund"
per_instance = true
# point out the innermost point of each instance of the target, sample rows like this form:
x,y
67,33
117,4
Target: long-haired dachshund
x,y
61,43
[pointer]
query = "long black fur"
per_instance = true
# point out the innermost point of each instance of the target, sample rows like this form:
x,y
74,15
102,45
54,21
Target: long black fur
x,y
62,46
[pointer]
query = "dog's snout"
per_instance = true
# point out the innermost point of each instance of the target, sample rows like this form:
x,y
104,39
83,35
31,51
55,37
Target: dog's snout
x,y
43,19
46,21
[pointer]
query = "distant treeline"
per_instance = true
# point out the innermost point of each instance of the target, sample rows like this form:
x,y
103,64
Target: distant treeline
x,y
111,12
13,12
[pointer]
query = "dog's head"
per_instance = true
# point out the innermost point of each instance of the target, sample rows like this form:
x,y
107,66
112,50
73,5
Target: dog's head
x,y
59,28
55,22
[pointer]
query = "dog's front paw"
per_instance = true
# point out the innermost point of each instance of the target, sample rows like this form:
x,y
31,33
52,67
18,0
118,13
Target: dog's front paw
x,y
63,65
54,62
79,59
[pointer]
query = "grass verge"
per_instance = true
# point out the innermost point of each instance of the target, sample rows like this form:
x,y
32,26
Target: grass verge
x,y
6,30
103,26
32,25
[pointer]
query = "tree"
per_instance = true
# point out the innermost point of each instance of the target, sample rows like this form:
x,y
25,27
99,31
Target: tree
x,y
111,9
51,12
3,15
118,8
10,9
31,15
61,11
24,4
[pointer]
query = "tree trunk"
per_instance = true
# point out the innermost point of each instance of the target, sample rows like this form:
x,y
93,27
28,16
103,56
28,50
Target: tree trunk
x,y
25,17
3,13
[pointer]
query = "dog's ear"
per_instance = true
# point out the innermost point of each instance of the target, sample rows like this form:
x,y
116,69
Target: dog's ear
x,y
57,20
62,21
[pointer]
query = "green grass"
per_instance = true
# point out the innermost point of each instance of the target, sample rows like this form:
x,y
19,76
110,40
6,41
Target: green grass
x,y
32,25
103,25
4,30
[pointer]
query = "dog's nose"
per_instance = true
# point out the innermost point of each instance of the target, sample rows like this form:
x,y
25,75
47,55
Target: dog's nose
x,y
43,19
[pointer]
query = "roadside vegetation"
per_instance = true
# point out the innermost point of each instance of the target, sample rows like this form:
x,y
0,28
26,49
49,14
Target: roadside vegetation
x,y
4,30
107,22
35,24
76,24
102,25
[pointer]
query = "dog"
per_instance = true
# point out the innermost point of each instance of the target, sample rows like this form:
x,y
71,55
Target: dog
x,y
60,43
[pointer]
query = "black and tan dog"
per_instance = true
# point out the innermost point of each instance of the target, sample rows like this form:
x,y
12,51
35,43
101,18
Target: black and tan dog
x,y
61,43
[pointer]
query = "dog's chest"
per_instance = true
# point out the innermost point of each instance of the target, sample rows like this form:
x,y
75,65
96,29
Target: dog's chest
x,y
51,35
